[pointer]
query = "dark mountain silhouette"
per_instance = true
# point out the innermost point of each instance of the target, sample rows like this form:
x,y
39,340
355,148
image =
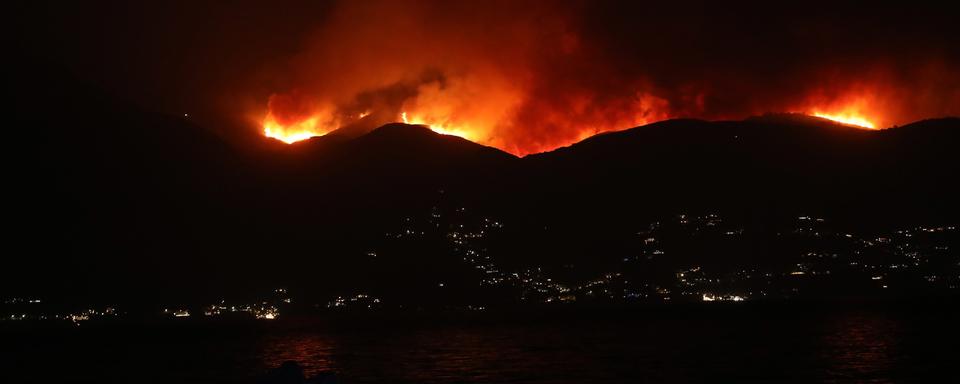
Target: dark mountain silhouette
x,y
760,171
771,162
106,194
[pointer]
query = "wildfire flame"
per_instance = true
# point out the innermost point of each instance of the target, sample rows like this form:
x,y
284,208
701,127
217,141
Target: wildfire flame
x,y
294,117
294,131
537,78
290,118
320,124
848,119
290,134
859,107
443,129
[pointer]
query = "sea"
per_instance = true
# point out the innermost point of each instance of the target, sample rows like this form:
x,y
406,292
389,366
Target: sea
x,y
717,343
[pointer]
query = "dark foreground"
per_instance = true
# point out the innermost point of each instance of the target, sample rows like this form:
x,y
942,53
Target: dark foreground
x,y
878,343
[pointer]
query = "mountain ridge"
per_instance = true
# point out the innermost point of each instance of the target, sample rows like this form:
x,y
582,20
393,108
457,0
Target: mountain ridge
x,y
177,208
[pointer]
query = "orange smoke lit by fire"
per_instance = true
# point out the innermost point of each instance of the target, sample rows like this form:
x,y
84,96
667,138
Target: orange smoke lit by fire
x,y
440,65
529,77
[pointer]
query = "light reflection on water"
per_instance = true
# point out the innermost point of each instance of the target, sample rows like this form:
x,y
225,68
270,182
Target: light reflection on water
x,y
313,351
703,345
862,347
867,347
444,355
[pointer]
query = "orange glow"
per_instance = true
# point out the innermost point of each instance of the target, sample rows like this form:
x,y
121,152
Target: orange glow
x,y
858,106
515,90
296,116
537,78
497,122
461,108
295,131
848,119
441,128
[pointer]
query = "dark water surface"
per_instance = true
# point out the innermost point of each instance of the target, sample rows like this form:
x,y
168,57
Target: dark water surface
x,y
732,344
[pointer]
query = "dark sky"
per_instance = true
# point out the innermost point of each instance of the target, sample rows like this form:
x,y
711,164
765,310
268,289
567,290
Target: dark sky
x,y
523,76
